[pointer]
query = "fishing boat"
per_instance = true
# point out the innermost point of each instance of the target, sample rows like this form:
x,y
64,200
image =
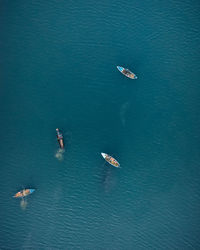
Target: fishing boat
x,y
23,193
127,72
111,160
60,138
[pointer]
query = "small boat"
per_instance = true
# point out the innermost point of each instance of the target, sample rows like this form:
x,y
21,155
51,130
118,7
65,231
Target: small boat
x,y
127,72
111,160
23,193
60,138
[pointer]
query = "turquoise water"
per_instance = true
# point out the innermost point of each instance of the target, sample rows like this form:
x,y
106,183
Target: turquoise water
x,y
58,69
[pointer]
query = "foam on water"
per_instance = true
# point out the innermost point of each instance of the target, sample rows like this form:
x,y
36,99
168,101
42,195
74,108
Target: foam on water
x,y
60,154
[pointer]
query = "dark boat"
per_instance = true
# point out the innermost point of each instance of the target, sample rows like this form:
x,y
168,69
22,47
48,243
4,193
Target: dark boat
x,y
127,72
60,138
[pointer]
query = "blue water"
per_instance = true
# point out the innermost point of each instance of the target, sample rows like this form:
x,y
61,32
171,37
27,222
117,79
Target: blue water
x,y
58,69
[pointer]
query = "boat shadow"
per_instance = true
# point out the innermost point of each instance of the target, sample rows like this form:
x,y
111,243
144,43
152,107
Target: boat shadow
x,y
23,203
109,178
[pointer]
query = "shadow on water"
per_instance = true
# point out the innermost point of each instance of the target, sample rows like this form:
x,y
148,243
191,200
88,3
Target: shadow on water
x,y
123,112
23,204
109,178
128,100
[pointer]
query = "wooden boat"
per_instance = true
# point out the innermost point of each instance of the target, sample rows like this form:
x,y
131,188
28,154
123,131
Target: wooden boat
x,y
60,138
111,160
127,72
23,193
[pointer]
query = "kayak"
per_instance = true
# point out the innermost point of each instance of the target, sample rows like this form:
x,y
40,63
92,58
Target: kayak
x,y
60,138
127,72
23,193
111,160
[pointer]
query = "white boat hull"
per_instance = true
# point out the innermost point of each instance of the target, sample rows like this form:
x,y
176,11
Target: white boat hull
x,y
111,160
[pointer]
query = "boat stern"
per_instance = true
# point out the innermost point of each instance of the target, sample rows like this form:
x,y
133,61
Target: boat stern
x,y
31,191
135,77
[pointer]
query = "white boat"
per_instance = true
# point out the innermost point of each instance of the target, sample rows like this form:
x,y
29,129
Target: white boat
x,y
112,161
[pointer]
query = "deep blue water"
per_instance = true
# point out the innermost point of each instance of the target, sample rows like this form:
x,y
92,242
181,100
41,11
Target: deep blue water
x,y
58,69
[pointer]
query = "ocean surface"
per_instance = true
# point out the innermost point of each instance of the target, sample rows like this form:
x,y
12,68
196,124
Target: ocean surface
x,y
58,69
